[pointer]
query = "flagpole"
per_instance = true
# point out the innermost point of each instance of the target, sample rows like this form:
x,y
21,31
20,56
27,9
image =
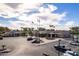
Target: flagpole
x,y
38,28
33,29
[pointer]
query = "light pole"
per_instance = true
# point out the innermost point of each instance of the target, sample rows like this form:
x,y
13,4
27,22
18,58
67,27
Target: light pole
x,y
38,26
33,28
59,46
59,42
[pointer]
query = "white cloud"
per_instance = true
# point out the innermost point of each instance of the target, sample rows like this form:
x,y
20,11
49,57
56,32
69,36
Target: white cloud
x,y
70,23
9,12
45,15
66,25
19,24
43,12
6,11
26,7
0,24
50,8
52,19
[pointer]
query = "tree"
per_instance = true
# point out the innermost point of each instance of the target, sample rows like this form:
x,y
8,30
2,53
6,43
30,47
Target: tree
x,y
41,29
74,31
28,31
4,29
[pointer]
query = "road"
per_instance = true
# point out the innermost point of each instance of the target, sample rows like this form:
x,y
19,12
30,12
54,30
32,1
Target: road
x,y
21,47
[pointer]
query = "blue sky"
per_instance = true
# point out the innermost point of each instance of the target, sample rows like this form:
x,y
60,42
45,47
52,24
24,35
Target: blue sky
x,y
64,13
71,8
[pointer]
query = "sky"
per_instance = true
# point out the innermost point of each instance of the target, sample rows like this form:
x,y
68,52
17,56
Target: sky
x,y
61,15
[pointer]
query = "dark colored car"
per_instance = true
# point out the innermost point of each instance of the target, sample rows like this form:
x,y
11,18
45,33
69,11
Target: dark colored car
x,y
44,54
77,41
1,38
29,38
61,48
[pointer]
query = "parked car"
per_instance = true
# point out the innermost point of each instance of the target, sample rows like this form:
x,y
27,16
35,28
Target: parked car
x,y
1,38
71,53
29,38
77,41
36,40
61,48
74,43
5,51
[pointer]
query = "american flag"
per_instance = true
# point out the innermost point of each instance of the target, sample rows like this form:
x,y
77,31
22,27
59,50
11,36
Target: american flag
x,y
32,22
52,26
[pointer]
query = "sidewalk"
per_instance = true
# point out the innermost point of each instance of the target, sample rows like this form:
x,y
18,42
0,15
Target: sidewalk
x,y
45,41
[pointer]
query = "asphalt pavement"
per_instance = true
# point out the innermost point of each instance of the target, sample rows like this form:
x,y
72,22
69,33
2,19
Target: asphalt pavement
x,y
21,47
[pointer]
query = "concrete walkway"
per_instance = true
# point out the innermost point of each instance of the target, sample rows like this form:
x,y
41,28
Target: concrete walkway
x,y
45,41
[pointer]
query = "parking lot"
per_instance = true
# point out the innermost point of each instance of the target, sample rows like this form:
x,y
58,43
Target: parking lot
x,y
19,46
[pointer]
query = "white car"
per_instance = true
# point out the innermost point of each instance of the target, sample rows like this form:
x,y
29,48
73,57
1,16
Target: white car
x,y
71,53
74,43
